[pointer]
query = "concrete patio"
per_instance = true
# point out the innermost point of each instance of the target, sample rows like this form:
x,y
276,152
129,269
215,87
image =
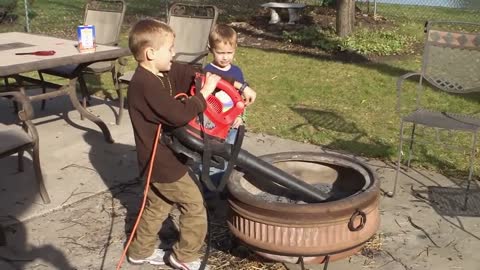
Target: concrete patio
x,y
95,192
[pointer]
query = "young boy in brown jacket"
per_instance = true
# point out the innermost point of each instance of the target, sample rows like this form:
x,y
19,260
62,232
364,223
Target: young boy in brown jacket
x,y
151,100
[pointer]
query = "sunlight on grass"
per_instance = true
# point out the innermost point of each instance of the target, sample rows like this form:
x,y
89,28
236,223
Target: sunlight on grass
x,y
344,94
347,107
408,13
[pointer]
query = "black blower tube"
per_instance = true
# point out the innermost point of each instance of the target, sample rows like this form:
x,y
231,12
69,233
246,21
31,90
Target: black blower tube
x,y
254,165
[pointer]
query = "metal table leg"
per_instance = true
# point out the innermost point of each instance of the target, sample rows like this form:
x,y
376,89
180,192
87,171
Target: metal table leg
x,y
83,112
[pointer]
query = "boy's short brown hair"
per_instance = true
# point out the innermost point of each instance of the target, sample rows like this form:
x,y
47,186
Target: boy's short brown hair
x,y
222,33
147,33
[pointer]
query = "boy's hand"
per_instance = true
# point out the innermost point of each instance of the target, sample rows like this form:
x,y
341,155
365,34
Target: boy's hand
x,y
211,81
238,121
249,95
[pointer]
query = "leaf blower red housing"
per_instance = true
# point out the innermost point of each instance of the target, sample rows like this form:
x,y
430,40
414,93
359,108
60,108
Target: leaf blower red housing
x,y
220,120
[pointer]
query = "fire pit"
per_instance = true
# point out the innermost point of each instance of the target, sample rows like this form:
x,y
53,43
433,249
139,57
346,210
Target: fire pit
x,y
281,226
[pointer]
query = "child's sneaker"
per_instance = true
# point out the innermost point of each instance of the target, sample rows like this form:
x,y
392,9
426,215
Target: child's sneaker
x,y
176,264
155,259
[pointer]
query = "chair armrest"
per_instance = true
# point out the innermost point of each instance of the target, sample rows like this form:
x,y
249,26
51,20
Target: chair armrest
x,y
192,54
400,84
26,113
119,70
123,61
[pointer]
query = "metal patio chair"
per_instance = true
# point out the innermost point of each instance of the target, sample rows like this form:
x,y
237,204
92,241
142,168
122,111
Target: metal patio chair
x,y
451,63
192,24
107,17
18,140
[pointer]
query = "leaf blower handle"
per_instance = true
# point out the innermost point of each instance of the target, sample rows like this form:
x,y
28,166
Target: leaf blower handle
x,y
221,118
209,84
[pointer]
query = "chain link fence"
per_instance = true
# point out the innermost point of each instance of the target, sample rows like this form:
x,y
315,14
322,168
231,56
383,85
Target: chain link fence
x,y
422,10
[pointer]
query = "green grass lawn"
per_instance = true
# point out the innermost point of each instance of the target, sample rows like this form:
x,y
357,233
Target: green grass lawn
x,y
407,13
344,106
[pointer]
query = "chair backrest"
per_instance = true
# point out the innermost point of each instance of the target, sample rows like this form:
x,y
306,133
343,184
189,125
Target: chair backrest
x,y
192,24
451,59
107,17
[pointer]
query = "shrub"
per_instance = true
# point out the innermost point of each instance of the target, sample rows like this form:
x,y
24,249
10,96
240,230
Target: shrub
x,y
328,2
7,7
378,42
363,41
313,37
11,9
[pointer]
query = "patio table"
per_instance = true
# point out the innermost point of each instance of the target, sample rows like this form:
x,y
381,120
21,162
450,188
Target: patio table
x,y
66,53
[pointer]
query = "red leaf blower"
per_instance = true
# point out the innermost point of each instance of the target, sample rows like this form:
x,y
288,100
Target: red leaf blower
x,y
220,120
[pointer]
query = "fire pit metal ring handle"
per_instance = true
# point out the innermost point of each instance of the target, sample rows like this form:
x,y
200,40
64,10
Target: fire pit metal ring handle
x,y
363,220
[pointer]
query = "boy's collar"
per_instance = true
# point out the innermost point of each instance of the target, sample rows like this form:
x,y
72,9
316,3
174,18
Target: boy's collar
x,y
150,69
159,74
227,68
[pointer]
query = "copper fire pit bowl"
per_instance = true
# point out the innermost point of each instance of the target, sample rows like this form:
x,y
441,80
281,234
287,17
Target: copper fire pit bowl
x,y
278,225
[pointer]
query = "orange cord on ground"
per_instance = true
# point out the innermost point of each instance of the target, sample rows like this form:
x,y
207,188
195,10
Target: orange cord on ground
x,y
147,185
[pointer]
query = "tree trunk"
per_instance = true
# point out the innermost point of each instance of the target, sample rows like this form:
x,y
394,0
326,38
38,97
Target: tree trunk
x,y
345,17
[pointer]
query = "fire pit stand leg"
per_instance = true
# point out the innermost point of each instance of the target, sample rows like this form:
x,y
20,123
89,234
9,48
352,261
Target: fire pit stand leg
x,y
327,259
302,264
325,262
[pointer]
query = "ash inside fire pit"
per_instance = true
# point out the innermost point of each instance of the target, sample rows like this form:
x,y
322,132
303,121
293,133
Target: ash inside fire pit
x,y
291,198
336,181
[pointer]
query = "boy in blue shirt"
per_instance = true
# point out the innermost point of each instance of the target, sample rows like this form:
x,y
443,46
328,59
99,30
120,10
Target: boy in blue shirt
x,y
223,44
